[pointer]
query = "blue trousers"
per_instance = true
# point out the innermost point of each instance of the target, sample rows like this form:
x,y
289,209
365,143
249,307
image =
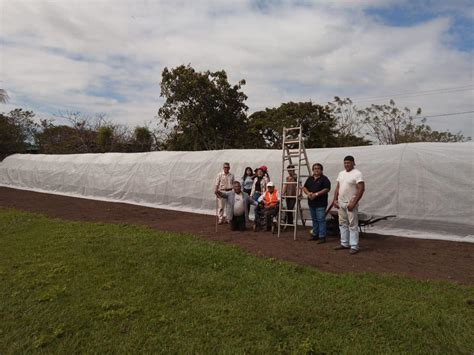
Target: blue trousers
x,y
318,216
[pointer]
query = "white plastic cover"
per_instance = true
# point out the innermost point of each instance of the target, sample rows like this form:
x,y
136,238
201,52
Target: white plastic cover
x,y
428,186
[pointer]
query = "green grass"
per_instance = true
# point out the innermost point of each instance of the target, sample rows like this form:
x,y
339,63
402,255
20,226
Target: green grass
x,y
82,287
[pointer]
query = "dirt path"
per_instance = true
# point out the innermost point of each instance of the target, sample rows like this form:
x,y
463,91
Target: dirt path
x,y
422,259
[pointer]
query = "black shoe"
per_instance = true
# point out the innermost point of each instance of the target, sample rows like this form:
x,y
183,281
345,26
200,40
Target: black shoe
x,y
341,247
313,237
321,240
354,251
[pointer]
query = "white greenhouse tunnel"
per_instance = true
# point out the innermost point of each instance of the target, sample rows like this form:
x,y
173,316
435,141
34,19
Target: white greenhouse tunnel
x,y
428,186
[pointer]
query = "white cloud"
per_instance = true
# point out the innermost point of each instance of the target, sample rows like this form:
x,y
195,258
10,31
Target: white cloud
x,y
104,56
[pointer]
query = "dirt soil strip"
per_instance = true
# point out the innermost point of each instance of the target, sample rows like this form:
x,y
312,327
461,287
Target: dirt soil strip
x,y
422,259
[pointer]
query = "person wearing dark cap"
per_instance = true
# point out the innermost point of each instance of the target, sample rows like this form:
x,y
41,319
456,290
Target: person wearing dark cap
x,y
349,190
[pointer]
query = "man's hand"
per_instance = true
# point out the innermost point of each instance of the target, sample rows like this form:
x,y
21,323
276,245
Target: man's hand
x,y
218,193
350,206
335,204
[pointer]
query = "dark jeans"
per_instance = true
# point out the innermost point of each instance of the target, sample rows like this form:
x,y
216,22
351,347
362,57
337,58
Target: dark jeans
x,y
290,205
268,213
237,223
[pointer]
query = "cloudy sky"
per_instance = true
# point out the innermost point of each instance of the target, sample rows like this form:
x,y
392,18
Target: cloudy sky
x,y
107,56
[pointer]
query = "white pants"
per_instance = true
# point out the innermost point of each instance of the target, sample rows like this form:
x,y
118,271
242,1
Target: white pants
x,y
221,209
349,226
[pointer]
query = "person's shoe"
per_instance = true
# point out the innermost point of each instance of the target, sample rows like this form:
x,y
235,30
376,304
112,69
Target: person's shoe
x,y
313,237
321,240
341,247
354,251
220,222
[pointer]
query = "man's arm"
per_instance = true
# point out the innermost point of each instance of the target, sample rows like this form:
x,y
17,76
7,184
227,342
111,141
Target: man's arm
x,y
360,191
222,194
216,183
326,187
251,201
305,189
336,196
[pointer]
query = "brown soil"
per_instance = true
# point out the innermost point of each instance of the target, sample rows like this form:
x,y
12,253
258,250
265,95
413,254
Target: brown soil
x,y
422,259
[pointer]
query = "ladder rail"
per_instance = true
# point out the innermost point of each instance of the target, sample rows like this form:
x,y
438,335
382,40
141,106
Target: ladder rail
x,y
293,152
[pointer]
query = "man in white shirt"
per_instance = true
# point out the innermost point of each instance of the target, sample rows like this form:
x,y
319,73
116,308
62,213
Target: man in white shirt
x,y
222,183
349,190
237,203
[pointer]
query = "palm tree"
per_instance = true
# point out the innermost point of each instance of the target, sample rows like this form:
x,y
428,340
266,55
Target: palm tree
x,y
3,96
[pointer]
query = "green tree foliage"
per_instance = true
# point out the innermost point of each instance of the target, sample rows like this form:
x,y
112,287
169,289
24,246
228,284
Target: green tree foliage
x,y
202,110
105,138
17,132
318,124
388,124
143,139
65,139
349,123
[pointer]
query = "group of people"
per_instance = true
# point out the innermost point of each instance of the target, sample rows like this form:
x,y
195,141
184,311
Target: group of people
x,y
235,197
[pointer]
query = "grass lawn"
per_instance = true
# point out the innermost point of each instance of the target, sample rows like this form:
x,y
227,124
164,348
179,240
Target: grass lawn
x,y
82,287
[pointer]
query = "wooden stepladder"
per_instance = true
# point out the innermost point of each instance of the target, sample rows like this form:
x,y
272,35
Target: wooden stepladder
x,y
293,153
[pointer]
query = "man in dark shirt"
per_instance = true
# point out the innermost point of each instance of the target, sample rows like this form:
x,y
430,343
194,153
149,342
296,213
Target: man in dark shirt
x,y
317,188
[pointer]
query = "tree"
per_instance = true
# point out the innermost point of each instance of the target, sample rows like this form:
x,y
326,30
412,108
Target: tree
x,y
202,110
17,132
347,115
318,125
61,139
143,139
388,124
105,138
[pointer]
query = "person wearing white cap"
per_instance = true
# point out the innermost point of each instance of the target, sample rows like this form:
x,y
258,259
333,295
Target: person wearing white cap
x,y
271,202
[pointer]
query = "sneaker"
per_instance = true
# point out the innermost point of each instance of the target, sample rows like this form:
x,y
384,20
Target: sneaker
x,y
314,238
354,251
321,240
341,247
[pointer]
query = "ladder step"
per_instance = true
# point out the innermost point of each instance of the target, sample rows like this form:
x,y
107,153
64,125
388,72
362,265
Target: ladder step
x,y
302,164
292,142
282,210
286,224
292,129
